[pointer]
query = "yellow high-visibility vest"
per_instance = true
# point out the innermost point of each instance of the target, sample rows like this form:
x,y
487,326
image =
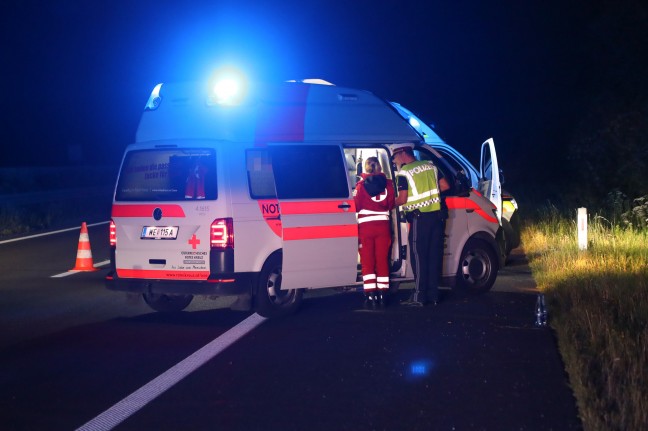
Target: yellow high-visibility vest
x,y
423,186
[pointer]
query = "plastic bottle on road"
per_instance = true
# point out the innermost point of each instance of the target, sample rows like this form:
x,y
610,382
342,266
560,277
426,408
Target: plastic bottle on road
x,y
541,311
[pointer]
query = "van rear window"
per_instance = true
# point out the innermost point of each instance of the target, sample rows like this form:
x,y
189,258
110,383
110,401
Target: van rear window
x,y
168,174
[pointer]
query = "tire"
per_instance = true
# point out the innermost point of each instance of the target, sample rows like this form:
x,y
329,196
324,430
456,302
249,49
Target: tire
x,y
477,268
167,303
269,299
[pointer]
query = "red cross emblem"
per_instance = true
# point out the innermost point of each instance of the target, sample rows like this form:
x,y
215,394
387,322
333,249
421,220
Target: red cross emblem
x,y
194,241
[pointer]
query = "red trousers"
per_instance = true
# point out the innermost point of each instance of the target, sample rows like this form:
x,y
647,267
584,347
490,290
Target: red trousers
x,y
375,243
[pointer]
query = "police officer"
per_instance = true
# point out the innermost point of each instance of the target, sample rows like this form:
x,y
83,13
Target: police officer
x,y
419,193
374,197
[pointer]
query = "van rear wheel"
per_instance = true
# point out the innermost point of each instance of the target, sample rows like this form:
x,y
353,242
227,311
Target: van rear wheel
x,y
167,303
270,300
477,268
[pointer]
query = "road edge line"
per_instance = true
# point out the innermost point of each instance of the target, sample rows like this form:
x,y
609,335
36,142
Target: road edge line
x,y
156,387
76,271
50,233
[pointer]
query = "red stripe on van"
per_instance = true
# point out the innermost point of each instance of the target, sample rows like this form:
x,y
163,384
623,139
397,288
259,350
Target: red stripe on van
x,y
320,232
455,203
146,210
281,117
316,207
161,274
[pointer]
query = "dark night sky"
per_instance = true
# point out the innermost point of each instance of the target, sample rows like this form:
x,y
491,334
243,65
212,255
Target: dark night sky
x,y
77,73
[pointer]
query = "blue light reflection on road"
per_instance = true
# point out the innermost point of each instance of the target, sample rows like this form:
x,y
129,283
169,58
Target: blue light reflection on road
x,y
420,368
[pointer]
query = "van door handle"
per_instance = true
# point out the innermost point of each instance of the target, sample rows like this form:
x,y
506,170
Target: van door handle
x,y
470,210
345,206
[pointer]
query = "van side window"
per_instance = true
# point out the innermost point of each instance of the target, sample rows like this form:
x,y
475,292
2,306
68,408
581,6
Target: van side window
x,y
309,172
168,175
259,172
444,167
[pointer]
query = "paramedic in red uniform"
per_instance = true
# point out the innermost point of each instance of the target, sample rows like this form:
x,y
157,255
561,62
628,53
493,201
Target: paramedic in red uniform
x,y
374,197
419,192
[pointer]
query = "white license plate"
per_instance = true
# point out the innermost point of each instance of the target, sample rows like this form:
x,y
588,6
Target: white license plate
x,y
159,232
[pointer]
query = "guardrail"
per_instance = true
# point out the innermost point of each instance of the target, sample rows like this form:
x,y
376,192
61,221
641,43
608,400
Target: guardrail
x,y
34,200
16,199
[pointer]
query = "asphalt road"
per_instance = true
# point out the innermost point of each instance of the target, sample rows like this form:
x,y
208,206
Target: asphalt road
x,y
73,355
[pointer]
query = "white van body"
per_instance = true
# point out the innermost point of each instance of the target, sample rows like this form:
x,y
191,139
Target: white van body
x,y
481,179
256,199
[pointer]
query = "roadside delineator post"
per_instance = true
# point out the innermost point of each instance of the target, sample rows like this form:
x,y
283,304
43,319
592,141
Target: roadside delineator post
x,y
582,228
84,253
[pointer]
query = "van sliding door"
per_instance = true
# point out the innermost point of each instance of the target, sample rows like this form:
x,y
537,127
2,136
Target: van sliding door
x,y
319,229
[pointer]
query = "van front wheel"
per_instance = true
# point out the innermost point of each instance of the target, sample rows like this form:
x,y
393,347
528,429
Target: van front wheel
x,y
477,268
167,303
270,300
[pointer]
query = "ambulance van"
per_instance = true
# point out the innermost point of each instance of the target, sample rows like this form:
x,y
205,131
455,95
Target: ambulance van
x,y
253,197
505,202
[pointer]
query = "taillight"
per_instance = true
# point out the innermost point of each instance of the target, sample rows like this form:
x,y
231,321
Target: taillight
x,y
222,233
113,234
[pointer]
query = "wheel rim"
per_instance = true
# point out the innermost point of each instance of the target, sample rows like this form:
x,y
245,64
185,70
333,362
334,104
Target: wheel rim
x,y
273,287
476,267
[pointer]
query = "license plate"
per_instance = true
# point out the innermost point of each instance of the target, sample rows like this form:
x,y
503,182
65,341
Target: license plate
x,y
159,232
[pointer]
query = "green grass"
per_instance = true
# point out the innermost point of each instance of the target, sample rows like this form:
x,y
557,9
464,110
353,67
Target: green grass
x,y
598,307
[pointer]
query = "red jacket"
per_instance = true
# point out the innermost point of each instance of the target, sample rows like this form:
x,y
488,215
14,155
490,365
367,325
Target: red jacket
x,y
374,197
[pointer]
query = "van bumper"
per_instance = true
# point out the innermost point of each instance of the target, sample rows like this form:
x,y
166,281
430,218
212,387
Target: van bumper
x,y
223,285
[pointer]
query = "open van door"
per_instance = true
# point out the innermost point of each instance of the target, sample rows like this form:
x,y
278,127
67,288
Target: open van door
x,y
489,177
318,218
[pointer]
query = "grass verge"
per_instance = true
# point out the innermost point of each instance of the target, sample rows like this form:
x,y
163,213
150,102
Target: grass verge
x,y
598,307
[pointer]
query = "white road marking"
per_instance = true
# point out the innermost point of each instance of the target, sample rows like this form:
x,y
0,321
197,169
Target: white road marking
x,y
72,271
50,233
156,387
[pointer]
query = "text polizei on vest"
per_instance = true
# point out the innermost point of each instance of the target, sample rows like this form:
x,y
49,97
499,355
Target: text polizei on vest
x,y
419,169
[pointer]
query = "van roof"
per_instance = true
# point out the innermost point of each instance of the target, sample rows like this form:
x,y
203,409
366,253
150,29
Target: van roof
x,y
282,112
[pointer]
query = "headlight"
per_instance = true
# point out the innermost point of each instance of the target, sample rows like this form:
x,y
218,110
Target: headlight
x,y
509,205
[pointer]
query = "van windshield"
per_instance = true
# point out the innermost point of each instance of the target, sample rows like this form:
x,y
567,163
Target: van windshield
x,y
168,174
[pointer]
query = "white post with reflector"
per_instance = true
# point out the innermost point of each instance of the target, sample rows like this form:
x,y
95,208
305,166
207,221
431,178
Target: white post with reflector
x,y
582,228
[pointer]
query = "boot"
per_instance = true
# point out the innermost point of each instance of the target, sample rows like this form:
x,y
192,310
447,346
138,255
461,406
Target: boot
x,y
382,297
370,299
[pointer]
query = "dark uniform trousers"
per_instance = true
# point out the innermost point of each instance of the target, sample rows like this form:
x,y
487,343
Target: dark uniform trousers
x,y
426,238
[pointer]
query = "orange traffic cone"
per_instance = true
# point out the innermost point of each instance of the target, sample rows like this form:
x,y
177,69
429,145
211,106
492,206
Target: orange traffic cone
x,y
84,253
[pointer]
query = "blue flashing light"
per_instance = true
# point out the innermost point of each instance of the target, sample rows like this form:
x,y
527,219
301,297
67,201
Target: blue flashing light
x,y
228,87
417,126
154,99
415,123
226,90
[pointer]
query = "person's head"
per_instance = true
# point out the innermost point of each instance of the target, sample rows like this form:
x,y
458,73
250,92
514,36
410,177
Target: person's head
x,y
402,154
372,165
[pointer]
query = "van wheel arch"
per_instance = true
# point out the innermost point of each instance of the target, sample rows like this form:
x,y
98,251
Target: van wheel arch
x,y
269,299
